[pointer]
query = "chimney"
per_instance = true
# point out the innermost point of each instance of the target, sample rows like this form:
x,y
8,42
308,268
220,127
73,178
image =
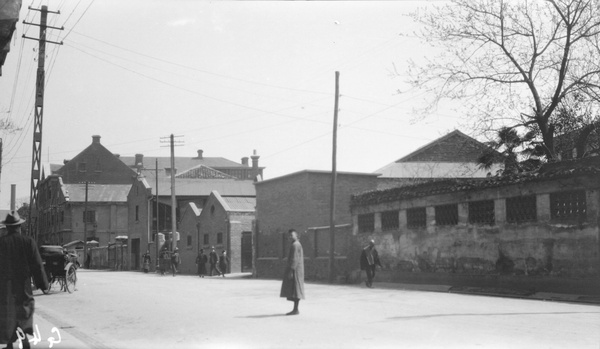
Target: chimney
x,y
200,151
255,160
65,161
96,139
245,161
139,161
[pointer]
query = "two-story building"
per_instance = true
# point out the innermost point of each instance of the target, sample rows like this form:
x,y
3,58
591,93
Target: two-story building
x,y
86,196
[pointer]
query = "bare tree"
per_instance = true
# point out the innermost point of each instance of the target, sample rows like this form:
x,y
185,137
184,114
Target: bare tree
x,y
511,63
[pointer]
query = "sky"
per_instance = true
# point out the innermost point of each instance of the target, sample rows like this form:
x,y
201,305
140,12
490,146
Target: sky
x,y
227,77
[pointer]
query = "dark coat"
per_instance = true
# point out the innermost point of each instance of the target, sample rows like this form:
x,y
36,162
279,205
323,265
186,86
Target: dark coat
x,y
213,258
223,262
292,286
20,260
201,261
364,262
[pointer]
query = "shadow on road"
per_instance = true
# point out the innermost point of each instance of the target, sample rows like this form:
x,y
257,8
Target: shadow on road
x,y
260,316
416,317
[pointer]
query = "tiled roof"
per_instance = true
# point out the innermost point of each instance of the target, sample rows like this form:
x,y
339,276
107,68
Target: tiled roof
x,y
453,147
97,192
240,203
202,187
556,170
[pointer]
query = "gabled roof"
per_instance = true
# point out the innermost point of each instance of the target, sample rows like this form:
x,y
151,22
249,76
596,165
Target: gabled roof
x,y
234,204
454,155
97,192
203,172
181,163
453,147
240,204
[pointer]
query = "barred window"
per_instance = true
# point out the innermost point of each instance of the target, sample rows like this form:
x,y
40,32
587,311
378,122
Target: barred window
x,y
206,237
570,205
482,212
390,220
521,209
446,214
416,217
366,223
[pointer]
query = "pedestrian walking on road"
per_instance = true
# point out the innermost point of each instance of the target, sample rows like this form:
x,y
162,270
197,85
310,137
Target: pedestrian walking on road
x,y
223,262
146,261
369,260
20,261
201,261
175,261
292,286
213,260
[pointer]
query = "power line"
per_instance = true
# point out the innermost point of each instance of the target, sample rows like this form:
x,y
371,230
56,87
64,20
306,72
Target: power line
x,y
204,71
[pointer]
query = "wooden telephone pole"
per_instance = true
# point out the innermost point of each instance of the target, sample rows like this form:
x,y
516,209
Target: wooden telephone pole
x,y
333,181
39,113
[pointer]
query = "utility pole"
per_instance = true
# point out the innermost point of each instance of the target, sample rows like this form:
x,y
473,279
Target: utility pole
x,y
173,196
85,216
333,180
39,112
157,215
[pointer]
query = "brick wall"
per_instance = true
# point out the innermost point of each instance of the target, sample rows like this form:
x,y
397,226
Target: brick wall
x,y
302,201
542,246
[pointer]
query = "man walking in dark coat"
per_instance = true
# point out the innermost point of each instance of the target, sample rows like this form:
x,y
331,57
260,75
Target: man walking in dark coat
x,y
20,260
223,262
213,260
292,286
201,261
369,260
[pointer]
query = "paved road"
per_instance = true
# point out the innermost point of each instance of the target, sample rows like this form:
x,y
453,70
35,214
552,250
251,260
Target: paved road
x,y
135,310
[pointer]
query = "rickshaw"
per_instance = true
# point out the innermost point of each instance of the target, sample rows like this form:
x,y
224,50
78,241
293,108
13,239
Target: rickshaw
x,y
59,268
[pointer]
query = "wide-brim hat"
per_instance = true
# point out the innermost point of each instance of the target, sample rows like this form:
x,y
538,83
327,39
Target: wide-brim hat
x,y
13,218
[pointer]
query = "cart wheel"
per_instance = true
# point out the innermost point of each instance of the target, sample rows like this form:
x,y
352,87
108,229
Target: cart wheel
x,y
50,283
71,279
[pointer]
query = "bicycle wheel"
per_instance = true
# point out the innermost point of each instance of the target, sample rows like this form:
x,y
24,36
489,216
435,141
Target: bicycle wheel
x,y
71,279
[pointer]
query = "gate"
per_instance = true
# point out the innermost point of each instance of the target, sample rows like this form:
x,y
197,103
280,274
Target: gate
x,y
246,251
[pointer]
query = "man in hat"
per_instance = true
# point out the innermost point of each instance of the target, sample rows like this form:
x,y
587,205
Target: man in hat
x,y
369,260
20,260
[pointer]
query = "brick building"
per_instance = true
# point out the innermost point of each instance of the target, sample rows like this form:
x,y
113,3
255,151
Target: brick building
x,y
62,198
537,231
301,200
226,224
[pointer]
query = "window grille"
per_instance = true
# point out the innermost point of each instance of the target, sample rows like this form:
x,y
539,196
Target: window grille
x,y
89,216
446,214
366,223
416,217
521,209
482,212
390,220
570,205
